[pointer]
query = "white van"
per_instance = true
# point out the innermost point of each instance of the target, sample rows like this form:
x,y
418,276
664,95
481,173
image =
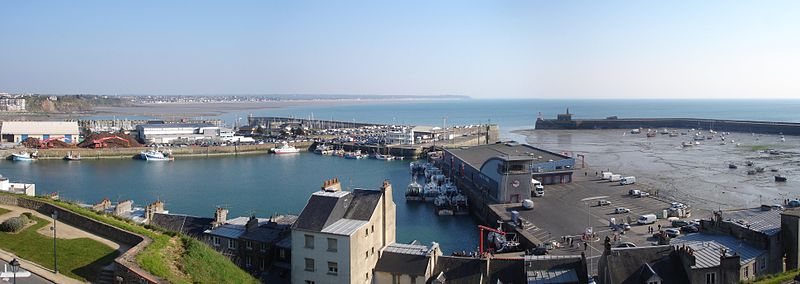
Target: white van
x,y
607,175
615,178
627,180
647,219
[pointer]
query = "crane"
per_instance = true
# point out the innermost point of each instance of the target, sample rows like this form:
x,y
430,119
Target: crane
x,y
484,228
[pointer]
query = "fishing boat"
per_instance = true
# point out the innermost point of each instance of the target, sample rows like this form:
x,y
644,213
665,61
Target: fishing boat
x,y
284,149
751,172
687,144
749,163
651,134
732,166
24,156
384,157
323,149
780,178
460,204
673,134
353,155
154,155
414,192
636,131
443,206
71,157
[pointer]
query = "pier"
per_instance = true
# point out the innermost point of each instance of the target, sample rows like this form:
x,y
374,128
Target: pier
x,y
565,121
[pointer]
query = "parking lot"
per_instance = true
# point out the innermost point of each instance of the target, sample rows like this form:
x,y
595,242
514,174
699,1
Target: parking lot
x,y
566,210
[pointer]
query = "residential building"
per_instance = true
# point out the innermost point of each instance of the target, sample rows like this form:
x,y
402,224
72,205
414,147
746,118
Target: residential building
x,y
162,133
249,242
407,263
19,131
556,269
756,227
340,234
12,104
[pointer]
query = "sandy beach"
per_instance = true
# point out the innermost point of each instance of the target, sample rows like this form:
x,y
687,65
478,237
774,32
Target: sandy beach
x,y
697,175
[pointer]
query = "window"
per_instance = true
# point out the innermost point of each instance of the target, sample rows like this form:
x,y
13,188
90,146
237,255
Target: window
x,y
747,272
413,279
231,244
367,254
309,264
282,253
333,268
309,241
333,245
248,261
309,282
263,264
263,247
215,239
711,278
762,263
373,229
654,282
373,250
366,233
395,279
249,244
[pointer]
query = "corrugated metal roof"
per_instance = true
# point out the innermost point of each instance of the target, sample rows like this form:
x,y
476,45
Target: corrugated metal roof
x,y
40,127
552,276
344,227
767,222
228,231
412,249
707,248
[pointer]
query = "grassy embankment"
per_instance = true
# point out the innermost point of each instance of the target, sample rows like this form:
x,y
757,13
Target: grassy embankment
x,y
171,256
776,278
4,211
81,258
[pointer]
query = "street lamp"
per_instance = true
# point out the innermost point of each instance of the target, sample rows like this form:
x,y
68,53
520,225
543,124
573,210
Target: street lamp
x,y
14,268
55,258
589,223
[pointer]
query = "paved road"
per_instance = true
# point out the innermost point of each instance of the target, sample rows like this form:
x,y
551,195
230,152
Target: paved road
x,y
34,279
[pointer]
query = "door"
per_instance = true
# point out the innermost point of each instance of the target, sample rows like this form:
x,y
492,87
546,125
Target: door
x,y
515,198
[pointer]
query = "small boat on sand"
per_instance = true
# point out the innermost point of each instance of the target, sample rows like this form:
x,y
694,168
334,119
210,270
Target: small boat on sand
x,y
780,178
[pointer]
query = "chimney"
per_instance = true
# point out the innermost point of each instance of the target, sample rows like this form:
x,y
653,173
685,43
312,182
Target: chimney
x,y
150,210
251,224
332,185
388,215
220,216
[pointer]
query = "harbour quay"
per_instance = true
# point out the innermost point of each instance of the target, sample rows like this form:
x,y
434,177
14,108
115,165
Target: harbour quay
x,y
565,121
411,141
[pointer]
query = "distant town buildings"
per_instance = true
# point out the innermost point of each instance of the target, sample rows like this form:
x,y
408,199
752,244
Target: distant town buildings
x,y
19,131
11,104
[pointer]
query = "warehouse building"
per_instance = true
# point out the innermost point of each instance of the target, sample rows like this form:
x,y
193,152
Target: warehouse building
x,y
164,133
504,170
19,131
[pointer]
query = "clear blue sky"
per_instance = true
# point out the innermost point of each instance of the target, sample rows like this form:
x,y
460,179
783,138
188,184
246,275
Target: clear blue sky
x,y
521,49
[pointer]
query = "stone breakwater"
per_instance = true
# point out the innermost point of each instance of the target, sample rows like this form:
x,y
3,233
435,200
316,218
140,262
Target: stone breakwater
x,y
746,126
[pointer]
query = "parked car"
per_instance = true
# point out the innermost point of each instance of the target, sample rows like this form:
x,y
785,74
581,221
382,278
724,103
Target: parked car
x,y
621,210
540,251
626,226
680,223
690,229
603,202
626,245
643,194
672,232
633,192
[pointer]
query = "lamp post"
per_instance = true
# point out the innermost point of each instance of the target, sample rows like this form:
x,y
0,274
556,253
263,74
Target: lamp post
x,y
14,268
589,223
55,257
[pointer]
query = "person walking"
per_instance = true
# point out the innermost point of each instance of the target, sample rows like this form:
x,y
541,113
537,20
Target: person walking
x,y
585,245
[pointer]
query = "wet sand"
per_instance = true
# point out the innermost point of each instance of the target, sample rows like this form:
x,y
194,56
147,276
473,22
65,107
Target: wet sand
x,y
697,175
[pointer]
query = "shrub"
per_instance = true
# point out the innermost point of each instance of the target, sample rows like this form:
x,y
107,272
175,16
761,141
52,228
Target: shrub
x,y
28,214
13,224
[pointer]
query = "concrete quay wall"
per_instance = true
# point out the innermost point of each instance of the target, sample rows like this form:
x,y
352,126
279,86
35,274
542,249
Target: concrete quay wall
x,y
128,153
763,127
126,270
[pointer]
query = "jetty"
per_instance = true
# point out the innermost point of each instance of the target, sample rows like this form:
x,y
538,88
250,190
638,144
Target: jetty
x,y
565,121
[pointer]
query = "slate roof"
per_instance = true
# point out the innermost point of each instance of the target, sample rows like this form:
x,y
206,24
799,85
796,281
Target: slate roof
x,y
263,234
476,156
707,248
408,259
189,225
507,271
459,269
766,222
541,269
326,209
624,265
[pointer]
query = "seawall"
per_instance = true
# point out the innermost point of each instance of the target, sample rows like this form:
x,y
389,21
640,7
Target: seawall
x,y
763,127
128,153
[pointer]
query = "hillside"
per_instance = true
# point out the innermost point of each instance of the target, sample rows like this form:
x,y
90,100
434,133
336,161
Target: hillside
x,y
70,103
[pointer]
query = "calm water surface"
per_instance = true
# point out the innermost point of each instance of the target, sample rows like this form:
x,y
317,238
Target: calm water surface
x,y
263,184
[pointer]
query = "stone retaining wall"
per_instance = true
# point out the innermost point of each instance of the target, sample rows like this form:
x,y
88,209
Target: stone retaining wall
x,y
126,269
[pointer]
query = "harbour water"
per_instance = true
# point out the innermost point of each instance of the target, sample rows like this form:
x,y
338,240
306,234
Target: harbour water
x,y
258,184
